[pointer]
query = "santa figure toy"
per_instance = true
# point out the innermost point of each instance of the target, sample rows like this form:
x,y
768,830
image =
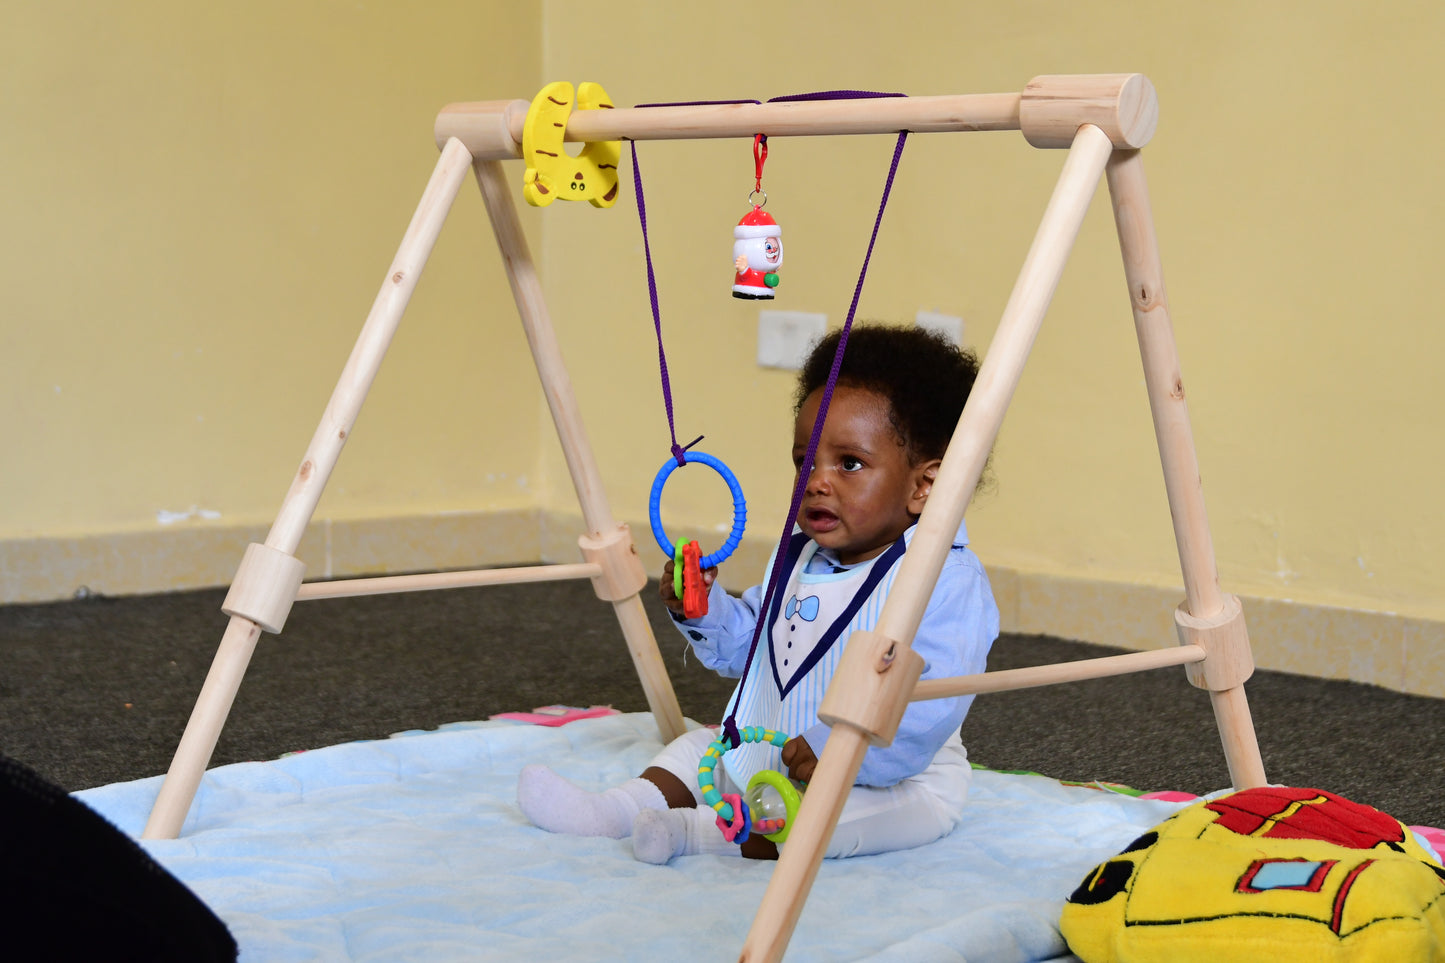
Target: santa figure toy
x,y
757,255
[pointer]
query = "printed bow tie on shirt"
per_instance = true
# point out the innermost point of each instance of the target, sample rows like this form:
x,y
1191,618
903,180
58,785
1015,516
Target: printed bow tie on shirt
x,y
806,608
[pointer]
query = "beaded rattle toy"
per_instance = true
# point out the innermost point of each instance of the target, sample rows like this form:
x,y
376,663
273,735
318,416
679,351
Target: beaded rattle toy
x,y
769,805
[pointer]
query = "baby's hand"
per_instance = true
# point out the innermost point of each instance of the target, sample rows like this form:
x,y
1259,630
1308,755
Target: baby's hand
x,y
798,757
669,597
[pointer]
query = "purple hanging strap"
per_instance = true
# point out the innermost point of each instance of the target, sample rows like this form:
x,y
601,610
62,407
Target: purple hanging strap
x,y
832,95
730,729
677,450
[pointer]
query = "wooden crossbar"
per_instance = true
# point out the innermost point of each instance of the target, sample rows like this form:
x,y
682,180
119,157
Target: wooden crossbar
x,y
1048,112
387,584
1006,680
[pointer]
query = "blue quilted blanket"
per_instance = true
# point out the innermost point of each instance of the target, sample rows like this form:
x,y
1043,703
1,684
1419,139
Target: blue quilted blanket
x,y
412,848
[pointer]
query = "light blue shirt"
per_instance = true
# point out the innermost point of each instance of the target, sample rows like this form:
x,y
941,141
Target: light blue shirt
x,y
958,627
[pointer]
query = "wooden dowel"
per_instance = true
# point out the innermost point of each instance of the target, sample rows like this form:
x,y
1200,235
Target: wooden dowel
x,y
801,856
492,130
542,339
838,768
238,643
390,584
1049,111
1139,245
1236,733
212,706
370,349
576,448
1006,680
651,670
993,389
1203,597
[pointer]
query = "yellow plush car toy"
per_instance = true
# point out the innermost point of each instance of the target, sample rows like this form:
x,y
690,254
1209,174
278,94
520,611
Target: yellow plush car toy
x,y
1269,874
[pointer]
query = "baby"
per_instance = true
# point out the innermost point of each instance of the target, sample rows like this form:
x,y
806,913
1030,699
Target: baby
x,y
899,394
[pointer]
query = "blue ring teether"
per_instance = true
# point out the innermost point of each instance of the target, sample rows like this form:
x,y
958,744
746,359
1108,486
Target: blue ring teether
x,y
740,507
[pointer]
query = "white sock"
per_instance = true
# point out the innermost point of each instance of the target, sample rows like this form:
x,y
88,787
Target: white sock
x,y
556,805
660,835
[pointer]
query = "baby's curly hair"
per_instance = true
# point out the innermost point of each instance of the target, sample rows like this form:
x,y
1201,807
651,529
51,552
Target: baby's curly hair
x,y
925,377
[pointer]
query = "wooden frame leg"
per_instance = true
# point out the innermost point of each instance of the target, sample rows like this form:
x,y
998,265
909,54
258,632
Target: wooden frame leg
x,y
1204,600
239,642
581,465
957,477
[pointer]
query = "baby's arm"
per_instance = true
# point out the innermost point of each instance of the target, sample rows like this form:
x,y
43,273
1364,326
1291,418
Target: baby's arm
x,y
954,637
722,637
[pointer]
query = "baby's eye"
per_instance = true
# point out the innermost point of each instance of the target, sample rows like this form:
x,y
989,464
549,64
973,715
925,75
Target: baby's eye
x,y
849,463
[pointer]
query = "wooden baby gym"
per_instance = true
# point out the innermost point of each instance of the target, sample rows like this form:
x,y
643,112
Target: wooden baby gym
x,y
1101,122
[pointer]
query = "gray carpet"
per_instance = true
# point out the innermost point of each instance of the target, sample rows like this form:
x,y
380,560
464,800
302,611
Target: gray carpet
x,y
98,690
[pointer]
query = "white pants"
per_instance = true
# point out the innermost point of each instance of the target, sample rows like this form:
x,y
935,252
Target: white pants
x,y
917,810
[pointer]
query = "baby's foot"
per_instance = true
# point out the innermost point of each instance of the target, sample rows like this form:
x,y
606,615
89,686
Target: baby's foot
x,y
659,835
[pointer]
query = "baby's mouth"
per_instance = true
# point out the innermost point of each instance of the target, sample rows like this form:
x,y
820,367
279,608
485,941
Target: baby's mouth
x,y
820,519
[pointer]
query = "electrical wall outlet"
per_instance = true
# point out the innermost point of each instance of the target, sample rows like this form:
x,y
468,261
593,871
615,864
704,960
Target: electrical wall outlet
x,y
945,324
785,337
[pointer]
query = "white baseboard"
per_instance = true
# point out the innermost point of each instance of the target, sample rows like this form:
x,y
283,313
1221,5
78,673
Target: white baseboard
x,y
1380,648
203,556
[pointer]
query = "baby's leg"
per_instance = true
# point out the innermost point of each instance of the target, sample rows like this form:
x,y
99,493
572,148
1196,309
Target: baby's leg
x,y
914,812
674,769
688,827
553,803
558,806
873,821
918,810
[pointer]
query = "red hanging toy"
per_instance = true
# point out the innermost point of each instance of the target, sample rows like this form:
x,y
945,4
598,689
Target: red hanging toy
x,y
757,240
694,592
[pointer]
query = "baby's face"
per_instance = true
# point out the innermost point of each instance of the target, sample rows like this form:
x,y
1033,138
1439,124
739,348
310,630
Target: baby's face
x,y
863,491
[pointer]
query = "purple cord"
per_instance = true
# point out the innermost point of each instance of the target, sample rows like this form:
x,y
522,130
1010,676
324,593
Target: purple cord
x,y
805,469
730,730
677,450
831,95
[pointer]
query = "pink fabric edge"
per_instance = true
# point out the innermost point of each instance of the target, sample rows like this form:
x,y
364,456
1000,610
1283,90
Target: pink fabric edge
x,y
556,715
1436,837
1170,795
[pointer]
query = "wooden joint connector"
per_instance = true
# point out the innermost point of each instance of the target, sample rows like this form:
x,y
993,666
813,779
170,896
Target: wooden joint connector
x,y
623,574
1228,661
265,586
1055,106
485,127
871,686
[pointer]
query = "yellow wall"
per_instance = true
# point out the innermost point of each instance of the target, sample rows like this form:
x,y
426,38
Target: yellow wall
x,y
199,202
1295,190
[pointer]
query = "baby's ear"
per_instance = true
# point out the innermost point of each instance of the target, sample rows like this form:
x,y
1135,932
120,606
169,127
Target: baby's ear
x,y
924,474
